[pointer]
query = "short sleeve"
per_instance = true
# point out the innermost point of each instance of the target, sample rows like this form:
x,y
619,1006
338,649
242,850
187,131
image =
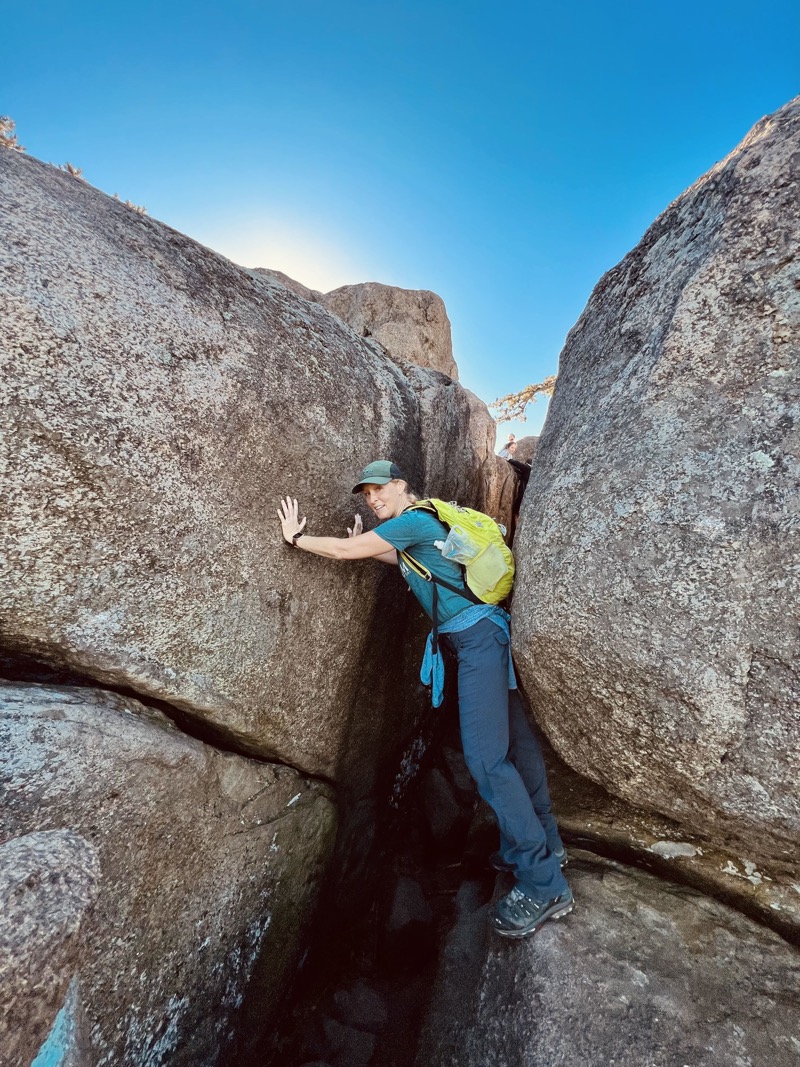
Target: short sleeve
x,y
409,529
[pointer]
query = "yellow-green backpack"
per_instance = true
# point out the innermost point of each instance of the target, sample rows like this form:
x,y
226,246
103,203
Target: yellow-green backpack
x,y
476,542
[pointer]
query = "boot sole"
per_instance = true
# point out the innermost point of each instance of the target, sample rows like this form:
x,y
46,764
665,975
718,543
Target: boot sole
x,y
528,931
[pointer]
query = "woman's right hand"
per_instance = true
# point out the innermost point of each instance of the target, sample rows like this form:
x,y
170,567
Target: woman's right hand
x,y
289,516
357,528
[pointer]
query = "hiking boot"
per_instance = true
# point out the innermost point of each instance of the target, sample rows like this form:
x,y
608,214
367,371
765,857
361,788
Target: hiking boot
x,y
518,915
496,860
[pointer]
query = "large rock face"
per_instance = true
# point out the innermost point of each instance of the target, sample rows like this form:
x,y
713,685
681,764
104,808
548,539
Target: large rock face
x,y
411,324
642,972
211,863
654,610
526,449
445,407
156,403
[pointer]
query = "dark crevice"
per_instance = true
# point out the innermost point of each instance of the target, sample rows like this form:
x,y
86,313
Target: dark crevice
x,y
22,667
389,902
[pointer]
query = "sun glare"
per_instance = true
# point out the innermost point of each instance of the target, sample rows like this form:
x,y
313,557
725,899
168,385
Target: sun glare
x,y
315,260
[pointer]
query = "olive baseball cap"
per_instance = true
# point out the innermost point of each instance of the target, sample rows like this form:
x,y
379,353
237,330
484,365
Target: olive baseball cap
x,y
381,472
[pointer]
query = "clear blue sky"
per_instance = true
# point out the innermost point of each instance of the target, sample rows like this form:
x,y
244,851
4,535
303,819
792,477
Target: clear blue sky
x,y
503,155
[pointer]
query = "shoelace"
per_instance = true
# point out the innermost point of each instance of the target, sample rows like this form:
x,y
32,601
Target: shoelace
x,y
520,906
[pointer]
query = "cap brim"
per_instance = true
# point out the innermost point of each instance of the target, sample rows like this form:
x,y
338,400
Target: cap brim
x,y
370,481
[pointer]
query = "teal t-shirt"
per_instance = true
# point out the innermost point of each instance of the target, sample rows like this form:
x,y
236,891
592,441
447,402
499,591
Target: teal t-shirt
x,y
415,532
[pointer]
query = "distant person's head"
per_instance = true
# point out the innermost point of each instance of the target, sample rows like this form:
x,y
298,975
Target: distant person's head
x,y
511,437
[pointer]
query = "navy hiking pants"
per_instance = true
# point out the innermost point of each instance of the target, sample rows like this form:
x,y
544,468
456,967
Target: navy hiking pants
x,y
504,758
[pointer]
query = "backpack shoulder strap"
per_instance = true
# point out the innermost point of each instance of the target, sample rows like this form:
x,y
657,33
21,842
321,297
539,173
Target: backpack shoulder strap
x,y
428,576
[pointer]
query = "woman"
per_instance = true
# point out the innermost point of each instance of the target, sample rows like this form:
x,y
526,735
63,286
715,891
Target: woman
x,y
500,749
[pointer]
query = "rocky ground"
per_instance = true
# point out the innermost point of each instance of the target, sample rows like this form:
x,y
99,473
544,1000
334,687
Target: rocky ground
x,y
649,969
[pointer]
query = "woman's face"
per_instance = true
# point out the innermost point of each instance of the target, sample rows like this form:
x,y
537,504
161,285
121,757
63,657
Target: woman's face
x,y
386,501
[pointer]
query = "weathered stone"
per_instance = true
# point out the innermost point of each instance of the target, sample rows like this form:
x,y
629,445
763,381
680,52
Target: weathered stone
x,y
348,1046
362,1007
642,972
156,402
411,324
479,479
409,906
48,882
68,1044
590,817
526,449
659,534
289,283
442,809
211,865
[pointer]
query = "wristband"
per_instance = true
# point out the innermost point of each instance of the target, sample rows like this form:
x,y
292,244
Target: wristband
x,y
296,537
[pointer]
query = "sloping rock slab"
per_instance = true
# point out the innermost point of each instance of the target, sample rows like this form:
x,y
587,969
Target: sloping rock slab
x,y
211,865
641,973
660,534
591,818
156,401
48,882
289,283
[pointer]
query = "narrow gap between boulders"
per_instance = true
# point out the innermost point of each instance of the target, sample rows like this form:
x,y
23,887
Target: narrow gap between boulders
x,y
365,983
367,978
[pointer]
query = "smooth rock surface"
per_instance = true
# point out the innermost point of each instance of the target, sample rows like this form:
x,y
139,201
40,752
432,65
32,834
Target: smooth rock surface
x,y
156,401
211,866
411,324
48,882
655,628
641,973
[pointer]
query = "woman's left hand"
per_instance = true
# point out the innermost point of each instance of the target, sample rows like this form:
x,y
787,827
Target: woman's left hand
x,y
288,513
